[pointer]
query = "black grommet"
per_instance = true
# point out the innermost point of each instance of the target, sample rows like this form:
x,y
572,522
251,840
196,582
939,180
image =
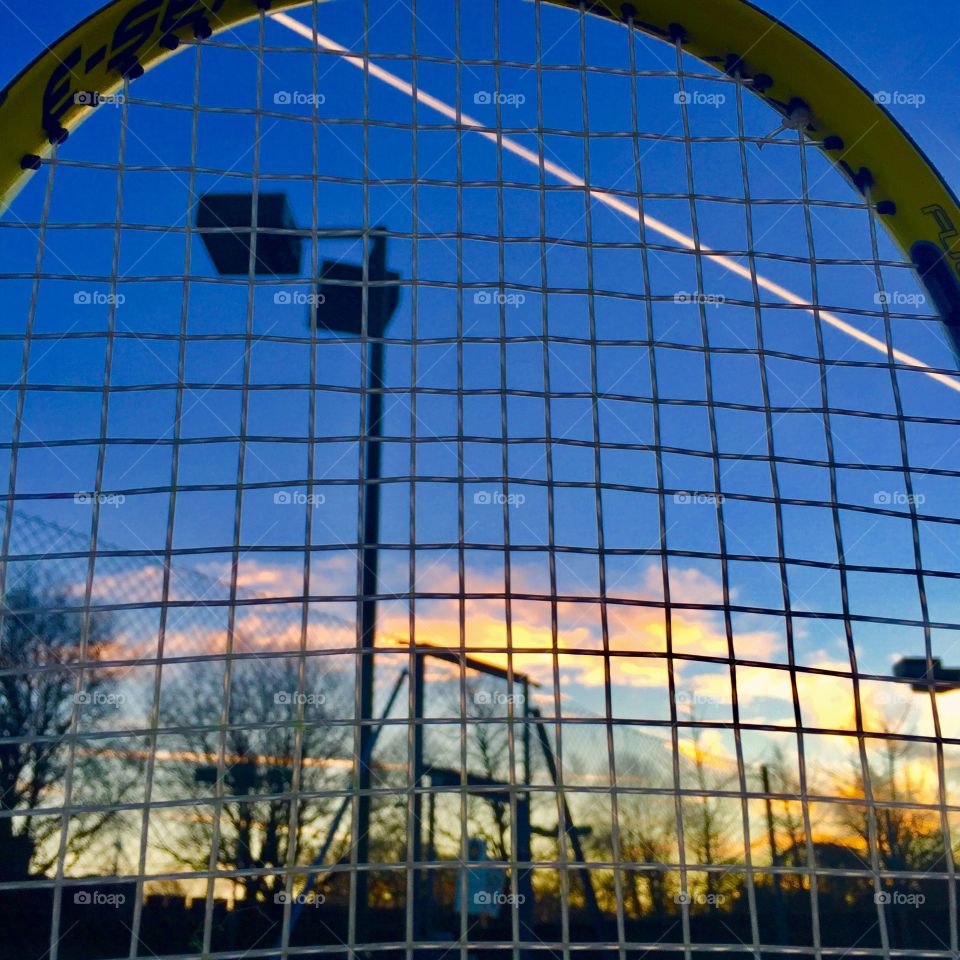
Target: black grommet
x,y
57,134
833,143
169,41
29,161
628,11
863,179
762,81
130,70
886,208
262,4
677,32
202,29
734,66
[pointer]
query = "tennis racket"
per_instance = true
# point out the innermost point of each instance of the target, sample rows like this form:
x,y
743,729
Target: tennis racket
x,y
481,482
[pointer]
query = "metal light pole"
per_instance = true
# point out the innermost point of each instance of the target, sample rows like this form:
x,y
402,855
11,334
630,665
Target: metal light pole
x,y
229,224
348,304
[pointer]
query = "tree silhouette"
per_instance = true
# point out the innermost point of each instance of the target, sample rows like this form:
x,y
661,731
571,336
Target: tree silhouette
x,y
41,644
906,838
488,752
709,821
266,740
648,831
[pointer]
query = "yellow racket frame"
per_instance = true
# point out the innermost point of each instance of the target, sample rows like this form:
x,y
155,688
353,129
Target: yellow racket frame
x,y
55,93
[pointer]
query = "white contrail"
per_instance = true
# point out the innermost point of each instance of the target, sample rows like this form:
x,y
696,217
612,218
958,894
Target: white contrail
x,y
608,199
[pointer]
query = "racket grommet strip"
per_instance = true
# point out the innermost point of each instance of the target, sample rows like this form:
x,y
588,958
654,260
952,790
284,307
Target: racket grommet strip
x,y
30,161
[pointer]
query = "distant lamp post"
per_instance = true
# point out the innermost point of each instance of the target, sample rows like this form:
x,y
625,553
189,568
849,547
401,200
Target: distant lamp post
x,y
941,679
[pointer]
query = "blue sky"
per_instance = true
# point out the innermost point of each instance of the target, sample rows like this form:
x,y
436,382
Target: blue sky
x,y
881,50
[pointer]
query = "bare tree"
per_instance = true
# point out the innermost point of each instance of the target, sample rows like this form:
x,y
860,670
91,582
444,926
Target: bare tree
x,y
488,757
489,747
786,815
276,725
907,838
41,641
708,819
647,831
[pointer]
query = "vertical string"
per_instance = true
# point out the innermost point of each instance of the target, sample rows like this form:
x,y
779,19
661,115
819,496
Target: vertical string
x,y
781,547
520,867
598,503
721,526
419,883
287,877
841,559
465,864
921,585
563,854
660,482
65,824
226,711
363,799
11,501
171,514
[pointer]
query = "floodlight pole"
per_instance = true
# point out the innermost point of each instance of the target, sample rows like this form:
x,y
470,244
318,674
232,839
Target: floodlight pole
x,y
369,558
230,251
365,316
